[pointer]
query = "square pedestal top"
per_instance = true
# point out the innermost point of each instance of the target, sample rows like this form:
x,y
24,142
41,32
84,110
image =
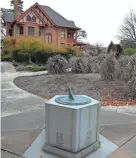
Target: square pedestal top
x,y
53,102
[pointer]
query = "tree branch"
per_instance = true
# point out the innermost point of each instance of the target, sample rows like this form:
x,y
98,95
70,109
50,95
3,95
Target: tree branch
x,y
128,28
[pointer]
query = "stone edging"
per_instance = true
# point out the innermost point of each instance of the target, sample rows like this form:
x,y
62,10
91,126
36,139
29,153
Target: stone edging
x,y
130,110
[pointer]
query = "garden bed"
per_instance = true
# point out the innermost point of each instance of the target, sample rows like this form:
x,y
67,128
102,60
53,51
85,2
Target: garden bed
x,y
109,93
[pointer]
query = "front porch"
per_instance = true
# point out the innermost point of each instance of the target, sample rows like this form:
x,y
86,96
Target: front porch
x,y
80,45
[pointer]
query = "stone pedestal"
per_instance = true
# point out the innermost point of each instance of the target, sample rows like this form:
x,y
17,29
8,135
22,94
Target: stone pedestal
x,y
72,131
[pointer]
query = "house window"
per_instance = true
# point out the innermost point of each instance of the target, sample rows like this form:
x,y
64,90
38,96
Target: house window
x,y
28,18
33,19
31,31
10,32
49,38
21,30
62,33
70,35
40,31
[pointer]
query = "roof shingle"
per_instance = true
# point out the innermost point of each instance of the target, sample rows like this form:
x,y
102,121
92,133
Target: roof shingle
x,y
8,16
58,19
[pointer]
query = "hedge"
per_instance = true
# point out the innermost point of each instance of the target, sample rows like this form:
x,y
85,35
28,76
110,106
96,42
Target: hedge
x,y
37,57
31,49
6,57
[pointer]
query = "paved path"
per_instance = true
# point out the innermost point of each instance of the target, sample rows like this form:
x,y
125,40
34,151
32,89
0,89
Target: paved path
x,y
20,111
23,118
14,99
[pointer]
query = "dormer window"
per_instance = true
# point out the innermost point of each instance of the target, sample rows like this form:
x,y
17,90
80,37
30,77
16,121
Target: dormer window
x,y
33,19
28,18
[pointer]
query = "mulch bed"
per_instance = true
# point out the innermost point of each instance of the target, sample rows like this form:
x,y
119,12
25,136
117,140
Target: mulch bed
x,y
107,102
110,93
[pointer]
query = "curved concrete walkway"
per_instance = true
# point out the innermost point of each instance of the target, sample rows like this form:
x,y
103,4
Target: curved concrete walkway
x,y
13,99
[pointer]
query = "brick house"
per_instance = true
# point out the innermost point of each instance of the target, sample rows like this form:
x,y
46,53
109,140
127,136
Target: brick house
x,y
41,22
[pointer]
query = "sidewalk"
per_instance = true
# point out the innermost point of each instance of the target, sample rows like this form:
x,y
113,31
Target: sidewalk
x,y
120,153
14,99
129,110
5,154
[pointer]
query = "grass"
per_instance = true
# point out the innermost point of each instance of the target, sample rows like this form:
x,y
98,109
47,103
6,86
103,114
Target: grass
x,y
130,51
32,68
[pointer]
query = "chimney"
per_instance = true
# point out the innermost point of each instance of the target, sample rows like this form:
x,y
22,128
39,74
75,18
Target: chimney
x,y
15,9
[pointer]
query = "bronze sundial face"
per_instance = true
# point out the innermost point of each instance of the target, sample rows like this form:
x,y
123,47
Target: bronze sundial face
x,y
72,99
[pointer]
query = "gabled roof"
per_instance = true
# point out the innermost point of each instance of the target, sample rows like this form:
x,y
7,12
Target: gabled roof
x,y
35,12
58,19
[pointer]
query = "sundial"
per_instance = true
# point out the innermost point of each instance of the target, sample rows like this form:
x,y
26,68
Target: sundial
x,y
72,99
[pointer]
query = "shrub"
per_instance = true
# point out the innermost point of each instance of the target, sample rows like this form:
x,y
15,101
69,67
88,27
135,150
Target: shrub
x,y
9,44
93,65
109,68
127,66
132,66
34,49
80,65
71,49
115,49
131,88
101,57
22,57
40,57
130,51
6,56
123,69
29,45
87,63
95,62
57,64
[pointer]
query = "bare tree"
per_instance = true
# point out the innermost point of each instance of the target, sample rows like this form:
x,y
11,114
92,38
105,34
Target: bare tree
x,y
81,34
98,48
127,30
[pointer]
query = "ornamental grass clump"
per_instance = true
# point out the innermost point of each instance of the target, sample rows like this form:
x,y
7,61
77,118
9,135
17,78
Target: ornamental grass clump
x,y
80,65
109,68
127,67
57,64
131,89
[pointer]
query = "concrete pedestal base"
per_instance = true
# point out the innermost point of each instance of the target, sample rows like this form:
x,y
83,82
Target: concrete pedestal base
x,y
68,154
36,149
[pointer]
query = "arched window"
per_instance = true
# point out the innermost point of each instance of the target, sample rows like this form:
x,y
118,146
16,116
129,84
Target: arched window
x,y
33,19
28,18
48,38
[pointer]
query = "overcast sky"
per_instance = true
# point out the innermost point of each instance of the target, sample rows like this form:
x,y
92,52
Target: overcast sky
x,y
100,18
